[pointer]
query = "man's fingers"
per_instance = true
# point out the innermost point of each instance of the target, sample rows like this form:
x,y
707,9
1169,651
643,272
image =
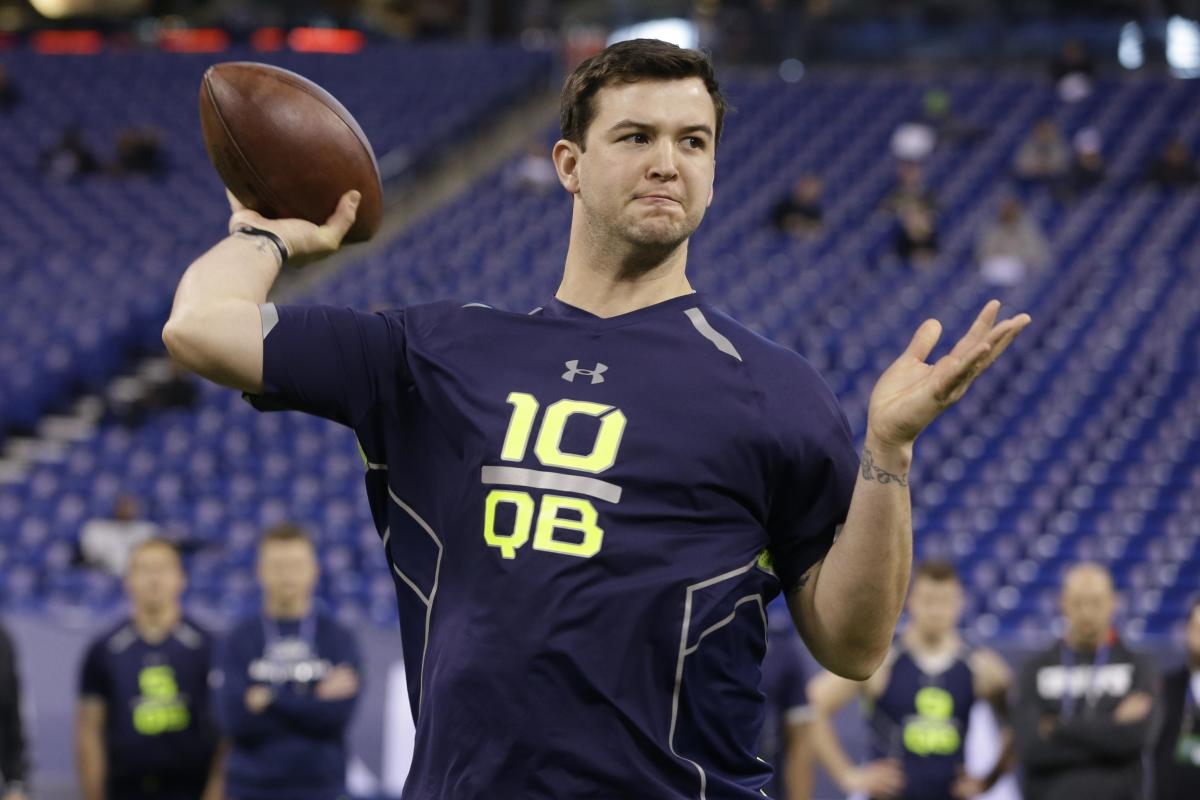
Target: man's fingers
x,y
979,328
924,340
343,216
1001,342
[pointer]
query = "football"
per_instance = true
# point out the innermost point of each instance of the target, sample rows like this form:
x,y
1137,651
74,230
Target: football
x,y
285,147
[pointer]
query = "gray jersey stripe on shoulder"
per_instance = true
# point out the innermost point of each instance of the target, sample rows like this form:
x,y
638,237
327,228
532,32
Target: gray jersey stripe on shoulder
x,y
476,305
270,317
701,324
537,310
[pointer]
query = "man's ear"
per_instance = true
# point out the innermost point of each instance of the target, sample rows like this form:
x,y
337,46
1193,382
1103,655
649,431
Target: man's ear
x,y
566,163
712,185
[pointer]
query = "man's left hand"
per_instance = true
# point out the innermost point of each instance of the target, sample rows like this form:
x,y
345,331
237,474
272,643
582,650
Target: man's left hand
x,y
911,393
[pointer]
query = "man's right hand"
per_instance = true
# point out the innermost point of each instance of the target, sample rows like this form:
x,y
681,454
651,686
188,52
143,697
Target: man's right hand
x,y
1134,708
881,779
305,241
340,683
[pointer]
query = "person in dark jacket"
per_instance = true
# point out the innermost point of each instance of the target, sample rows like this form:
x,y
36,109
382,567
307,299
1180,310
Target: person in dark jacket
x,y
1083,709
286,683
14,761
1175,752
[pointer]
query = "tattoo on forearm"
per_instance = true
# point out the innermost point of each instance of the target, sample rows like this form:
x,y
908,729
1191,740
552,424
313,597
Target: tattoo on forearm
x,y
263,246
803,580
873,472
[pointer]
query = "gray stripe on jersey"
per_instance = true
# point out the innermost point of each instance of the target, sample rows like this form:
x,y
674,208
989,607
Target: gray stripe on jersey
x,y
537,479
270,317
710,333
476,305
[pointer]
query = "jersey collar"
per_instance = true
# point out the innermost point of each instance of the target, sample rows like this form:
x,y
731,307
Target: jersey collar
x,y
560,310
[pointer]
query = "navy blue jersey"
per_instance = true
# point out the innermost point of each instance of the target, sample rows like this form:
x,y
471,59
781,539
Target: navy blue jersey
x,y
921,720
295,748
784,684
159,737
585,519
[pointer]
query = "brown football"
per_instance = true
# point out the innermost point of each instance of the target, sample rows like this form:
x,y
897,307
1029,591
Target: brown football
x,y
286,147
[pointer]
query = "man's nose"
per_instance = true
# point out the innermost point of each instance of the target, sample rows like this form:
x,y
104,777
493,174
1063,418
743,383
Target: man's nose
x,y
662,165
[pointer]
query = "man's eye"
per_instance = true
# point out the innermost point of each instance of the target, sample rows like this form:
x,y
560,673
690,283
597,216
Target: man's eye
x,y
696,142
636,138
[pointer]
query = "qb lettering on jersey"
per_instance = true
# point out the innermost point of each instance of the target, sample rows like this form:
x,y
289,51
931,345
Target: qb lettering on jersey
x,y
577,535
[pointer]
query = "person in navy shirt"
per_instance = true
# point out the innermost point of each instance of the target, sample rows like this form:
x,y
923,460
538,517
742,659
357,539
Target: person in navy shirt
x,y
144,730
918,704
286,683
785,742
586,508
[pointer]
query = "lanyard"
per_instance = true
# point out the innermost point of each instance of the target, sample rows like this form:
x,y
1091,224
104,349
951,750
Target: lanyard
x,y
307,632
1068,662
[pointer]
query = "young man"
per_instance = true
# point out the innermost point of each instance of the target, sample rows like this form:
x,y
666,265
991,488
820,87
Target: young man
x,y
286,683
1176,739
144,731
786,742
918,703
1083,707
587,507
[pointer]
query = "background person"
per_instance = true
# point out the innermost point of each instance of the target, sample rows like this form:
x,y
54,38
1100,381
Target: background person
x,y
1175,748
143,729
14,757
918,705
287,683
1084,703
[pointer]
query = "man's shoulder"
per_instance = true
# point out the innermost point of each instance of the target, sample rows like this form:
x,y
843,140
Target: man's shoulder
x,y
114,638
759,353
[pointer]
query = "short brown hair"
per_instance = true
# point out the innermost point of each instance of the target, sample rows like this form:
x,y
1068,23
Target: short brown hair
x,y
284,532
936,570
629,62
152,542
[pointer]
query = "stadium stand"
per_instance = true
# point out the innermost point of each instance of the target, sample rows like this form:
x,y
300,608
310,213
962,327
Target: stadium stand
x,y
89,266
1054,459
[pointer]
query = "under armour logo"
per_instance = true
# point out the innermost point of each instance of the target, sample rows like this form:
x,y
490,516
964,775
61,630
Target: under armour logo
x,y
573,370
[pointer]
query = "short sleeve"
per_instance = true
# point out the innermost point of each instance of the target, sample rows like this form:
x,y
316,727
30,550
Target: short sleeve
x,y
814,476
336,363
93,675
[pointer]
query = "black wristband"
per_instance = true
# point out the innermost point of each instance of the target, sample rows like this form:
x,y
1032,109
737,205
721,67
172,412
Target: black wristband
x,y
250,230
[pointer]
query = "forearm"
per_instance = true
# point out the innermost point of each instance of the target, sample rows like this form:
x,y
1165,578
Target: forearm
x,y
829,751
799,767
90,760
860,587
311,715
1105,738
215,320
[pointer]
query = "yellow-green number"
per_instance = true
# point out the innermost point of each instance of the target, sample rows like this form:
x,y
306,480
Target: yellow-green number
x,y
585,536
159,709
520,425
549,521
508,543
604,449
932,732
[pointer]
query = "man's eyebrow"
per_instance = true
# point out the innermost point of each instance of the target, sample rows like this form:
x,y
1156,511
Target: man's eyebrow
x,y
631,123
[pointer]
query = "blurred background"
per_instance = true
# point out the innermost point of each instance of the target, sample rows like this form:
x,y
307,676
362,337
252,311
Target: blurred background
x,y
887,161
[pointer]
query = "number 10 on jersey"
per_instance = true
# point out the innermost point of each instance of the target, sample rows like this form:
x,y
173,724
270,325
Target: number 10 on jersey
x,y
587,535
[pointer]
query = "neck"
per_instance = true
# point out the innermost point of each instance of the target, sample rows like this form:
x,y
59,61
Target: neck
x,y
288,609
153,624
1081,644
930,643
1193,662
608,279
